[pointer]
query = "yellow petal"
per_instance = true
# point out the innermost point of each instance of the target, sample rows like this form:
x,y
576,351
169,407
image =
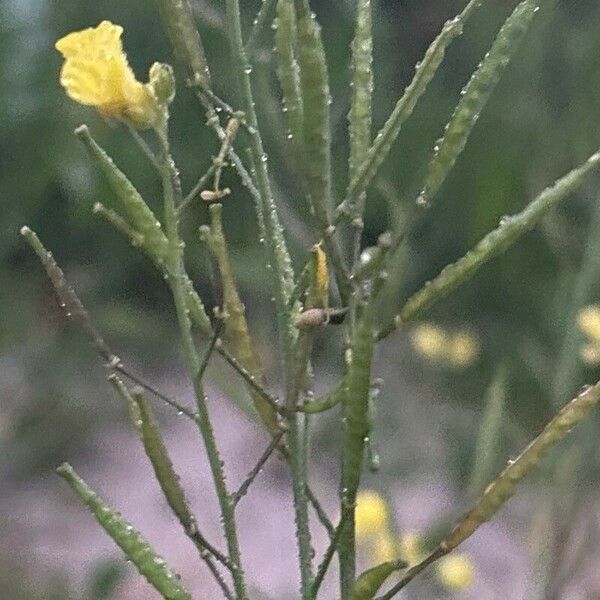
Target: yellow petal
x,y
96,73
429,340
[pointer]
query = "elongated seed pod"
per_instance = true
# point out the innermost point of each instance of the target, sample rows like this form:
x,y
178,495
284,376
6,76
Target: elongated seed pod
x,y
131,202
237,332
178,21
370,581
288,71
498,240
475,96
133,544
503,487
314,85
359,117
424,73
161,462
67,297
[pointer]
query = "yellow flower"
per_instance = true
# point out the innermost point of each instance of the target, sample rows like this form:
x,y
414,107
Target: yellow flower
x,y
455,572
429,341
588,320
371,515
384,547
411,548
463,349
96,73
458,349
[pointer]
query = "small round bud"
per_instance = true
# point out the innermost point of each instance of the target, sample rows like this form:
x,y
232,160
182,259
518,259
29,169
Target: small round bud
x,y
162,83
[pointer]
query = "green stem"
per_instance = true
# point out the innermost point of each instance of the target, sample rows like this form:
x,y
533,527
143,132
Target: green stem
x,y
355,433
175,272
283,284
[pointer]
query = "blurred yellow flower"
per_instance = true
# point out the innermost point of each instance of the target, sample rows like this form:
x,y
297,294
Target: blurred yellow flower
x,y
384,547
588,321
96,73
412,548
455,572
371,515
458,349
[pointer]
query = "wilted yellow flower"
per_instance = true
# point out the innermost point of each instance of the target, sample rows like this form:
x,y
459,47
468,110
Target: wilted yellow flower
x,y
412,548
96,73
458,348
371,515
455,572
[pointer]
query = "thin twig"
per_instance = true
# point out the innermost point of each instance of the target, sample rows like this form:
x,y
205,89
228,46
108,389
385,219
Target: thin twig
x,y
320,511
249,378
243,489
322,569
413,572
139,381
209,351
141,142
198,187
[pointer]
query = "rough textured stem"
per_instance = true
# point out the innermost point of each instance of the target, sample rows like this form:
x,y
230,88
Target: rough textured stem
x,y
504,486
183,34
424,73
475,96
135,547
234,317
355,431
283,284
177,283
498,240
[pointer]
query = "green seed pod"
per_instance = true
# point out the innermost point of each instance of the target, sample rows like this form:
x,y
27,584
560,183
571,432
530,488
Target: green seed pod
x,y
424,72
359,117
131,202
504,486
316,98
498,240
135,547
475,96
184,37
288,71
369,582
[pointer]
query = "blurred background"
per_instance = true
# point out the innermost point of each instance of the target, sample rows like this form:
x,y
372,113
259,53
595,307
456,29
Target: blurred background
x,y
508,339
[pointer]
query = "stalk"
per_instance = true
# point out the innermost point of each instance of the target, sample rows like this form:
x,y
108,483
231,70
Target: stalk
x,y
177,281
283,284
